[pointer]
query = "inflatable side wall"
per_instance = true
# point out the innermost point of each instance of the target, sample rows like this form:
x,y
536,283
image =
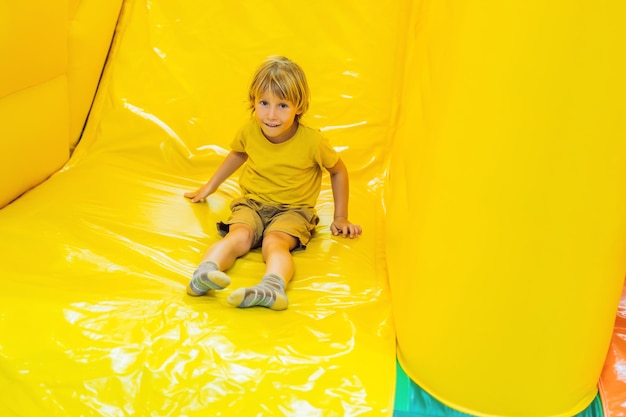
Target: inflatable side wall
x,y
507,191
52,53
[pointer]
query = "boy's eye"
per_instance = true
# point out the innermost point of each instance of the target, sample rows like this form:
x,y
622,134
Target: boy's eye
x,y
263,102
283,105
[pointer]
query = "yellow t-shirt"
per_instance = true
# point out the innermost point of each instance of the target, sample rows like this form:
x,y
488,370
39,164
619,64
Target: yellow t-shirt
x,y
283,173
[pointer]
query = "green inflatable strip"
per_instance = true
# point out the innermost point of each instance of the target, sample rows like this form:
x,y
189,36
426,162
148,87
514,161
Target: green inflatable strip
x,y
412,401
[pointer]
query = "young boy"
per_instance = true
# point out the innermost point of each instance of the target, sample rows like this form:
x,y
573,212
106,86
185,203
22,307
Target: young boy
x,y
280,183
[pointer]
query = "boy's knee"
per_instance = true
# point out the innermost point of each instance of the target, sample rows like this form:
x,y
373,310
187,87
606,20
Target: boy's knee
x,y
273,240
242,234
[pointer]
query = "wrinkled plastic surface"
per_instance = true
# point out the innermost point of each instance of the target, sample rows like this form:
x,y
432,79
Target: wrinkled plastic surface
x,y
93,316
94,319
510,179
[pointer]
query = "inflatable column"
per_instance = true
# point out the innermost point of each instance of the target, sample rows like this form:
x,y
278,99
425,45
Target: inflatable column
x,y
507,191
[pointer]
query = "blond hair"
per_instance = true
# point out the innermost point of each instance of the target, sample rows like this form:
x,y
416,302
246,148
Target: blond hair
x,y
284,79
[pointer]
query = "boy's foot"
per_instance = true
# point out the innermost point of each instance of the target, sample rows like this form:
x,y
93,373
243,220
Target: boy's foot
x,y
206,278
269,293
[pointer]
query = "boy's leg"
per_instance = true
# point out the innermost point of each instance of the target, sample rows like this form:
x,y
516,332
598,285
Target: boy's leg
x,y
219,257
279,269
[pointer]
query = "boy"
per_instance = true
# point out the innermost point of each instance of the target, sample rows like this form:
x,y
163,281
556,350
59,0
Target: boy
x,y
280,182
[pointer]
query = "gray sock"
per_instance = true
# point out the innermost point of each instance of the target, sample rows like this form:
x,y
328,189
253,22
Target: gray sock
x,y
269,293
206,278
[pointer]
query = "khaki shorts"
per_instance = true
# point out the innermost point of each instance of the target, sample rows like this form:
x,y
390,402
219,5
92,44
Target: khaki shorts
x,y
264,218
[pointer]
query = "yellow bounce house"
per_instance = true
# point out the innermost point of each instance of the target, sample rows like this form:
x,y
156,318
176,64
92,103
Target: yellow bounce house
x,y
486,143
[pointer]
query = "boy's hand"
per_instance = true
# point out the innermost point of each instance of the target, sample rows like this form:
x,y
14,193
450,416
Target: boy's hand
x,y
342,226
198,195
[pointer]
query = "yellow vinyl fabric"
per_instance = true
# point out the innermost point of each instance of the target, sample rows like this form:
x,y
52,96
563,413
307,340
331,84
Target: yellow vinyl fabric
x,y
91,28
33,91
94,319
486,147
52,57
507,203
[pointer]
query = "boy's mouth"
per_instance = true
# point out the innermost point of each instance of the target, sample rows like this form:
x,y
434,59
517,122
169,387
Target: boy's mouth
x,y
272,125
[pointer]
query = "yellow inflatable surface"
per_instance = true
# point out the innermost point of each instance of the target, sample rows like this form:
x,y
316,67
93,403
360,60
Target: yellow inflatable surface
x,y
486,145
52,54
512,184
94,317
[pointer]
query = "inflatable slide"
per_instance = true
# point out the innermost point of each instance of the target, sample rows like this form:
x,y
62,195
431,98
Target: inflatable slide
x,y
486,145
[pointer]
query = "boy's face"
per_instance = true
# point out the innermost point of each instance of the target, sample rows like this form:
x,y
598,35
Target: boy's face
x,y
276,117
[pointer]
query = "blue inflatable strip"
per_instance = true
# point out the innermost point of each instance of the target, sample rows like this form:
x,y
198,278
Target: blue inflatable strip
x,y
412,401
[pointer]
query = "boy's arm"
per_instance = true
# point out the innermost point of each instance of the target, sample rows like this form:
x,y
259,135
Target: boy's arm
x,y
231,163
341,187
